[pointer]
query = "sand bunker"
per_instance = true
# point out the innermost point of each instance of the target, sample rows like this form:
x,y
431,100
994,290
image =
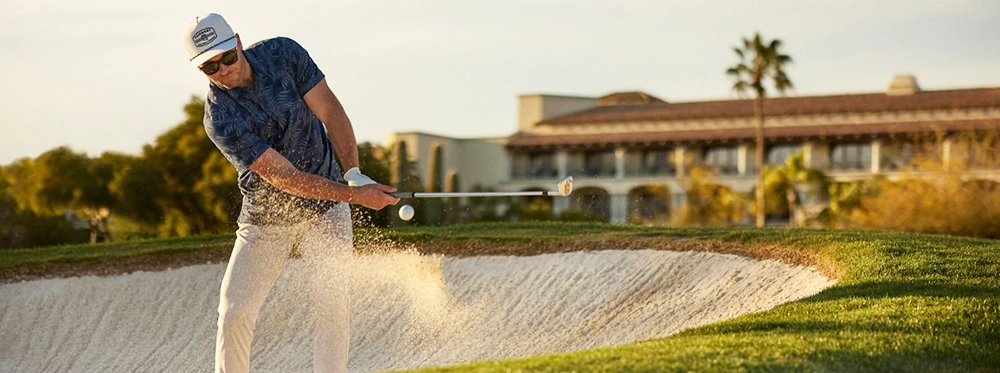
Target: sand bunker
x,y
408,311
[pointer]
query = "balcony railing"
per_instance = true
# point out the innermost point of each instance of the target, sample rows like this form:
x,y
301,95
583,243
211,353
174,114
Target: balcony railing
x,y
535,173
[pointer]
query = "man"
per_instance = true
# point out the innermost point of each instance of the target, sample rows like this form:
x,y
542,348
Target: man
x,y
270,111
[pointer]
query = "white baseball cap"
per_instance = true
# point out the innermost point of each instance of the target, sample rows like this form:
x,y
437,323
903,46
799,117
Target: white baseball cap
x,y
206,37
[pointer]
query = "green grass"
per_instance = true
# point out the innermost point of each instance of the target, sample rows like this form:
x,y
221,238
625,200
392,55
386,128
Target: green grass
x,y
108,252
903,302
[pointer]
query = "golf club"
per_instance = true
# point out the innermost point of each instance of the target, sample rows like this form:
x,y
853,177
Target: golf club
x,y
563,189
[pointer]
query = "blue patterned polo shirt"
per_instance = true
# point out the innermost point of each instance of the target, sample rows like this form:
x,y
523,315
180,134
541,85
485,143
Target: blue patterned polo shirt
x,y
244,122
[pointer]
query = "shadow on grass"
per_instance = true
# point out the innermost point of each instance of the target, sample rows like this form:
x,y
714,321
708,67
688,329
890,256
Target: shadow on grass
x,y
901,326
895,289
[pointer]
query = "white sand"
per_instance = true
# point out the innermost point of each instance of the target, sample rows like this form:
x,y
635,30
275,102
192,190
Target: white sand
x,y
408,311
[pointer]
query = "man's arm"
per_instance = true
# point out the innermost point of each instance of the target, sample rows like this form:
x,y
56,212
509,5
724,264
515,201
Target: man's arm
x,y
325,105
279,172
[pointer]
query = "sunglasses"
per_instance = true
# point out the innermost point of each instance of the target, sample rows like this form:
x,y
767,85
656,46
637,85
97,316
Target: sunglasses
x,y
228,58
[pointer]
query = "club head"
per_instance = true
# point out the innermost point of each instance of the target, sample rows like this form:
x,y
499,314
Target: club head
x,y
565,187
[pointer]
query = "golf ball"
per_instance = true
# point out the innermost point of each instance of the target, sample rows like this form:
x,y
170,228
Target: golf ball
x,y
406,212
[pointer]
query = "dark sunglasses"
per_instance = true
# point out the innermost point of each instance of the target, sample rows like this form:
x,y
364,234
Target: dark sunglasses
x,y
228,58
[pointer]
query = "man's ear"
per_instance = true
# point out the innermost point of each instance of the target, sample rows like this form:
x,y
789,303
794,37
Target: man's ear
x,y
239,44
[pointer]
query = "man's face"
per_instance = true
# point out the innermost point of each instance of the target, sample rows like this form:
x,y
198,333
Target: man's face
x,y
229,69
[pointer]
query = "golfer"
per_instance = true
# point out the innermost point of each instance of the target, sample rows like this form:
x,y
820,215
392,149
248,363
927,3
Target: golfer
x,y
270,111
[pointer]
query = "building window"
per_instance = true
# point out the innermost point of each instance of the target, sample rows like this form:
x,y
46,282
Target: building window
x,y
979,152
599,163
777,154
853,156
542,165
724,160
657,162
898,155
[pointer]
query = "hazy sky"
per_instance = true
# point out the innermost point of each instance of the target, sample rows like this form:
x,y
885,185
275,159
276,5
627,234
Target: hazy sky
x,y
104,75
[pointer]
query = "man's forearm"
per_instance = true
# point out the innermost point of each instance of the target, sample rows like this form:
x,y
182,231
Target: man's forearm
x,y
341,132
345,145
325,105
279,172
306,185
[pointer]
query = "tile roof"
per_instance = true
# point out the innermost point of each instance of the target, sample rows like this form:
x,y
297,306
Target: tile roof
x,y
628,98
657,110
630,107
745,134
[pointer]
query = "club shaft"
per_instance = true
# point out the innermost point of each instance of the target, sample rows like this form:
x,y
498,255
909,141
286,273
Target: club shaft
x,y
474,194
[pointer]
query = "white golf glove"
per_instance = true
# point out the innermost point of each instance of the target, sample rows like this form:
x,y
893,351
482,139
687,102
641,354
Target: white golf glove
x,y
355,178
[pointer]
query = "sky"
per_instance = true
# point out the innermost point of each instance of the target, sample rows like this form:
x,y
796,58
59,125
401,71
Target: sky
x,y
112,75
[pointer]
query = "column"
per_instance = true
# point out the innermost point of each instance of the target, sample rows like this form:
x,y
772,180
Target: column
x,y
619,208
741,159
619,163
876,156
946,153
679,161
678,199
807,152
562,163
560,204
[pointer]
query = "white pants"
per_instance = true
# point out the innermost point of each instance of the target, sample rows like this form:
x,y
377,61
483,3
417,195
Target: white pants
x,y
259,254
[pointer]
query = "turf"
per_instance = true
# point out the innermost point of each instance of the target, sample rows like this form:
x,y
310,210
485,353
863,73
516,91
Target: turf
x,y
902,303
108,252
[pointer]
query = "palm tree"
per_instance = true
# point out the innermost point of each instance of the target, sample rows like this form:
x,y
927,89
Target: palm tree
x,y
759,62
790,178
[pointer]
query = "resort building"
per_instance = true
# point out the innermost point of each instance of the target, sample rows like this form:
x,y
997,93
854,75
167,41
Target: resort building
x,y
629,152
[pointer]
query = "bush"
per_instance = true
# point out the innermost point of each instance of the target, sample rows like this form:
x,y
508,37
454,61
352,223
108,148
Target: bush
x,y
709,203
582,216
942,204
535,210
39,231
938,195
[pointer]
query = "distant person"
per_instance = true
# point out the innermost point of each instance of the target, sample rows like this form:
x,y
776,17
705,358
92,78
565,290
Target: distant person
x,y
270,111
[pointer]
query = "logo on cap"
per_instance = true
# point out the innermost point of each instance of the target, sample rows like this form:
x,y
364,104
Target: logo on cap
x,y
204,36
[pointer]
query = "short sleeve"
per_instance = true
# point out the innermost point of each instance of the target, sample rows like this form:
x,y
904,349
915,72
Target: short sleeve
x,y
232,133
302,67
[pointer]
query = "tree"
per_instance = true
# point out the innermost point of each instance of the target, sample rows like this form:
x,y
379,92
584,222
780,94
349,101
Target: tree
x,y
403,176
61,180
218,196
199,188
10,231
139,187
23,228
759,62
180,185
374,161
432,210
786,181
708,203
453,206
938,194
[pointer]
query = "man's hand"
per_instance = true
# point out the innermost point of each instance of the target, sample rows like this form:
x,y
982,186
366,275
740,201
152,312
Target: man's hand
x,y
361,195
374,196
279,172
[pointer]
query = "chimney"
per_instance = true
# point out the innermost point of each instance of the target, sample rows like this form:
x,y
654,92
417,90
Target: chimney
x,y
533,109
903,85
